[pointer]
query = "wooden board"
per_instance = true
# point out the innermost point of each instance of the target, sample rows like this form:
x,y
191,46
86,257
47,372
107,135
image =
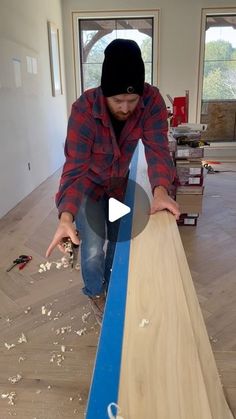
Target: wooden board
x,y
168,369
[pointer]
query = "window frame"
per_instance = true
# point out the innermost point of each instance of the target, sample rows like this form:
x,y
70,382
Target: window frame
x,y
206,12
121,14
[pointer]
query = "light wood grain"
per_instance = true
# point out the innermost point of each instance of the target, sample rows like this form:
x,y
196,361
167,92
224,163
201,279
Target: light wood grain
x,y
168,369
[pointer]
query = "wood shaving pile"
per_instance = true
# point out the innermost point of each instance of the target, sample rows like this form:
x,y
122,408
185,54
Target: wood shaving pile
x,y
63,330
10,396
59,358
64,262
22,339
15,379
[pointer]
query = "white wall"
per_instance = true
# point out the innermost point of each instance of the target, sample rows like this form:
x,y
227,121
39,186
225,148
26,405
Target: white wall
x,y
180,22
32,122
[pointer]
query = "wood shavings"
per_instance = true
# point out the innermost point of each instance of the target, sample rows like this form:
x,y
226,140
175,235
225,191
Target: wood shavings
x,y
63,330
22,339
38,391
85,316
27,310
81,331
49,387
112,415
144,323
10,396
58,265
4,395
60,359
64,262
9,346
15,379
21,359
53,358
63,348
59,314
43,310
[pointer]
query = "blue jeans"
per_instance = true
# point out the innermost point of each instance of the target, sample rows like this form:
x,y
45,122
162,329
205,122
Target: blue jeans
x,y
96,254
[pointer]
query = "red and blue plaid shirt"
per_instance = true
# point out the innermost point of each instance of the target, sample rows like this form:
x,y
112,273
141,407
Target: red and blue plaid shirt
x,y
93,156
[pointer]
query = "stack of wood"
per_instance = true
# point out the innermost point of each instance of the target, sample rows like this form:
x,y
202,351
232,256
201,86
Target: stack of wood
x,y
189,187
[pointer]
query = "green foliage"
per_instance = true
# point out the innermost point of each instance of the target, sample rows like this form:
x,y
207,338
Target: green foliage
x,y
219,71
217,86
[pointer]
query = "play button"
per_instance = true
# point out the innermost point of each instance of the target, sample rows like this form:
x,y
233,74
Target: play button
x,y
121,213
117,210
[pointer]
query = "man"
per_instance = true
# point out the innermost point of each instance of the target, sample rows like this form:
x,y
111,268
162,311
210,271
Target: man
x,y
103,131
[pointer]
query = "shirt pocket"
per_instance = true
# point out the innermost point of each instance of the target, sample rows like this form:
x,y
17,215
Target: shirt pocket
x,y
102,157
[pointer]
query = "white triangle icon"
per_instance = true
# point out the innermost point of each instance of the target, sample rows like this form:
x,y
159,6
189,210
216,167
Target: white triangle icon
x,y
116,210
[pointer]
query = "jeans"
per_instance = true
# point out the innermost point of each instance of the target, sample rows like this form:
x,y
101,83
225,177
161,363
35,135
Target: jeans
x,y
98,242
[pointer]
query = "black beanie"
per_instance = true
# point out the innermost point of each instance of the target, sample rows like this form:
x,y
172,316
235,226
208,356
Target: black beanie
x,y
122,69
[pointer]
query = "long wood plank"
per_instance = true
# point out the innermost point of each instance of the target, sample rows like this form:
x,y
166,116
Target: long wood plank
x,y
168,369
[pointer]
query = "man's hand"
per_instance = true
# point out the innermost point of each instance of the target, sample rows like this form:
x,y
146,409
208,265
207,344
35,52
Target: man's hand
x,y
161,201
65,229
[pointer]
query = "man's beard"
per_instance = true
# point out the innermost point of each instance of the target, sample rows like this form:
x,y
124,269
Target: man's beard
x,y
122,116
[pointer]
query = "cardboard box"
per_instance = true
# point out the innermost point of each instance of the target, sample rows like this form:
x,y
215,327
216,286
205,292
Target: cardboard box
x,y
190,190
189,152
187,221
189,203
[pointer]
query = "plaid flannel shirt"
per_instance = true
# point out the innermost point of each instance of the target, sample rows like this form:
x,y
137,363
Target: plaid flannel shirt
x,y
93,156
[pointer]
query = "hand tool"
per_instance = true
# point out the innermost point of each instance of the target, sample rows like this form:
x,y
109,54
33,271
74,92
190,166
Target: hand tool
x,y
72,249
21,260
74,254
23,264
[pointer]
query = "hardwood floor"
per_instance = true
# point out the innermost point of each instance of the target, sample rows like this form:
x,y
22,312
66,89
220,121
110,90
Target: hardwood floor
x,y
53,383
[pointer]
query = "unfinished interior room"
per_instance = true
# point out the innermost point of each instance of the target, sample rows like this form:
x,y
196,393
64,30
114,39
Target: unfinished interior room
x,y
118,209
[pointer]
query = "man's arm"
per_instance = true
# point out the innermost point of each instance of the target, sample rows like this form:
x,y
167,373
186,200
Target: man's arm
x,y
161,170
73,179
78,147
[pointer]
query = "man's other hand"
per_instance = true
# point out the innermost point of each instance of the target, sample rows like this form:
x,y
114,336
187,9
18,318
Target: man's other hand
x,y
162,201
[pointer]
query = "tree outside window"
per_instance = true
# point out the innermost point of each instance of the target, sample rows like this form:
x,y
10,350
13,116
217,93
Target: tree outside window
x,y
219,82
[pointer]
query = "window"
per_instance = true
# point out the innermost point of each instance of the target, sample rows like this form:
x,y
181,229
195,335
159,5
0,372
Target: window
x,y
219,81
217,74
93,34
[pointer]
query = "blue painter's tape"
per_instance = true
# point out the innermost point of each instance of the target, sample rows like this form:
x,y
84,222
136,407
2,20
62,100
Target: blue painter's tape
x,y
105,382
